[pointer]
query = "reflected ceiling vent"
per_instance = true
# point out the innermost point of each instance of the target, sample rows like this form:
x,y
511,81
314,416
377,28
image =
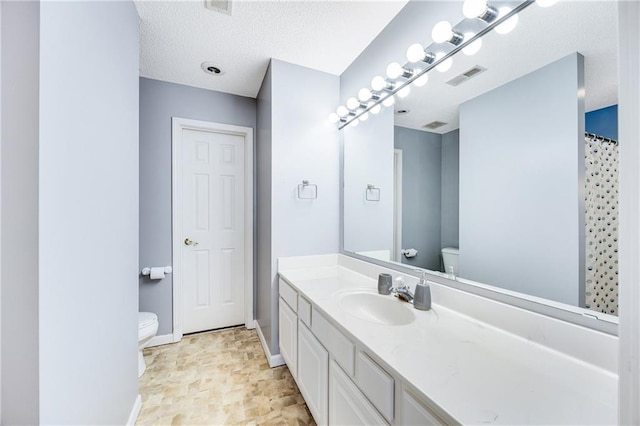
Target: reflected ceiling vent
x,y
402,111
222,6
434,125
466,76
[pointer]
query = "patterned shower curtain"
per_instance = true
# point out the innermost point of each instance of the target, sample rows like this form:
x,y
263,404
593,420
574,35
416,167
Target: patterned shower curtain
x,y
601,161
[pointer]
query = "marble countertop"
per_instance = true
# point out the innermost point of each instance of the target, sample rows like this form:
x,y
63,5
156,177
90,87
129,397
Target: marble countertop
x,y
475,373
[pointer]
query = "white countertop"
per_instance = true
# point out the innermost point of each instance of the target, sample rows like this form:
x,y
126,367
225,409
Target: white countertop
x,y
474,372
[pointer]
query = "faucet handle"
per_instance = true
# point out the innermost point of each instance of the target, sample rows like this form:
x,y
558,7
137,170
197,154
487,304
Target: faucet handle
x,y
399,281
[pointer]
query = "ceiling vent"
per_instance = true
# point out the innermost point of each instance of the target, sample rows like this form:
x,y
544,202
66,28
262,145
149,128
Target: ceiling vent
x,y
434,125
466,76
222,6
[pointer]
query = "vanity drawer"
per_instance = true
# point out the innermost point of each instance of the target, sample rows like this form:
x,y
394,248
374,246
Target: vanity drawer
x,y
304,311
338,345
289,295
376,384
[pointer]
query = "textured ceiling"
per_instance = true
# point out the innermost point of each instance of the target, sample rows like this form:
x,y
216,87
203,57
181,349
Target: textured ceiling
x,y
543,35
177,36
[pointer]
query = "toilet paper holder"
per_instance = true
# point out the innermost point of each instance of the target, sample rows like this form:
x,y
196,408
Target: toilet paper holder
x,y
147,270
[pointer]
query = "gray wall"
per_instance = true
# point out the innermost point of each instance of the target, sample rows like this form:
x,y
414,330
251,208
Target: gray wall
x,y
159,101
69,206
522,184
264,269
88,209
20,134
304,145
421,194
450,189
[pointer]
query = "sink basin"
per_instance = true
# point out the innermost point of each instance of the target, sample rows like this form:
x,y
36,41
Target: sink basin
x,y
386,310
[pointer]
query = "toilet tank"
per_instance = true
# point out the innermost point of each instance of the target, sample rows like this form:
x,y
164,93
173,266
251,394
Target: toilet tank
x,y
450,258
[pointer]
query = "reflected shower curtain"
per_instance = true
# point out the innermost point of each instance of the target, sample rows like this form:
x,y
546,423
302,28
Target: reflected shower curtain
x,y
601,179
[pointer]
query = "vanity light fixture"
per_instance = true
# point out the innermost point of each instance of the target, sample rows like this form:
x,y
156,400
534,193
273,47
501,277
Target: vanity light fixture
x,y
352,103
480,9
364,94
333,117
382,94
395,70
342,111
404,92
509,24
421,81
443,64
474,47
443,32
416,53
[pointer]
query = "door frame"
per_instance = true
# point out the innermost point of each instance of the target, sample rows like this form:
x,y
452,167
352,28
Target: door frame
x,y
177,126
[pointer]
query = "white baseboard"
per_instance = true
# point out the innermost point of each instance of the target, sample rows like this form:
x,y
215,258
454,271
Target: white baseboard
x,y
133,416
165,339
274,360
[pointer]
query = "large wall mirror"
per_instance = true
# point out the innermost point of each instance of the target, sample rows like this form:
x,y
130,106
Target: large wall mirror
x,y
502,170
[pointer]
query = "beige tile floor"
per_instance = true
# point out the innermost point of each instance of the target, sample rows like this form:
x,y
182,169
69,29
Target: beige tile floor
x,y
218,378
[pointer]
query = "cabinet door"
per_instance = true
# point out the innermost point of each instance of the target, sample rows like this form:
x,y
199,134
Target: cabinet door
x,y
313,374
413,412
288,328
347,405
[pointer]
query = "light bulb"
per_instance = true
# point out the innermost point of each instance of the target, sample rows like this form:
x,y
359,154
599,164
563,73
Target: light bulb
x,y
394,70
364,116
364,94
508,25
388,101
442,32
546,3
352,103
445,65
404,92
376,109
354,123
342,111
474,8
415,53
474,47
421,81
333,117
378,83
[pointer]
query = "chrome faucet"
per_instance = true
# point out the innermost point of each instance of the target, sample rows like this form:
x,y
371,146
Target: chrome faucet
x,y
401,290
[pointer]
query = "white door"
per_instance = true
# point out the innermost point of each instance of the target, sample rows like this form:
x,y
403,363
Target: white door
x,y
212,230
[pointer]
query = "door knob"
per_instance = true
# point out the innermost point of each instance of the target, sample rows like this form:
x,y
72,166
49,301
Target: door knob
x,y
188,242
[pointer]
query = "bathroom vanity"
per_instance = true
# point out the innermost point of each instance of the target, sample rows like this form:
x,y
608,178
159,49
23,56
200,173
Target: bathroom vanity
x,y
363,358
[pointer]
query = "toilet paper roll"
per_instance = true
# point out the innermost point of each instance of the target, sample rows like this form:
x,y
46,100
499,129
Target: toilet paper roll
x,y
157,273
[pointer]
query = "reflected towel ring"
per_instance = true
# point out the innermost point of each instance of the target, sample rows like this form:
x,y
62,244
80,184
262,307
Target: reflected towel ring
x,y
372,193
307,191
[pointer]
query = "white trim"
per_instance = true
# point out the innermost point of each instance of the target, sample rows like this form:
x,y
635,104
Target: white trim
x,y
397,206
273,360
135,411
177,126
629,246
165,339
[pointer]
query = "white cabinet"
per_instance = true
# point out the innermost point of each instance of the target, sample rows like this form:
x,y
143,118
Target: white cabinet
x,y
313,374
414,412
347,405
288,329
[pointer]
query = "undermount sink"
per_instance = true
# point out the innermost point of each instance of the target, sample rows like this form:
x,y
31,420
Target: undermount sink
x,y
386,310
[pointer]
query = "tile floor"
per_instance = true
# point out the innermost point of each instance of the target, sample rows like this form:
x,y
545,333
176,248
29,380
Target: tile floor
x,y
218,378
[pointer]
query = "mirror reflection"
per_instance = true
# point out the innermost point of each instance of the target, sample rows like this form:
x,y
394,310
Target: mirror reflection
x,y
504,168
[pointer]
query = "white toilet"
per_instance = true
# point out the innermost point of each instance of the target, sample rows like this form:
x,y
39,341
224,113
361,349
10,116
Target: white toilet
x,y
147,329
450,258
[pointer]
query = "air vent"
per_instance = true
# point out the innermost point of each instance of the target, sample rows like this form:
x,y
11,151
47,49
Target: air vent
x,y
434,125
402,111
222,6
467,75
